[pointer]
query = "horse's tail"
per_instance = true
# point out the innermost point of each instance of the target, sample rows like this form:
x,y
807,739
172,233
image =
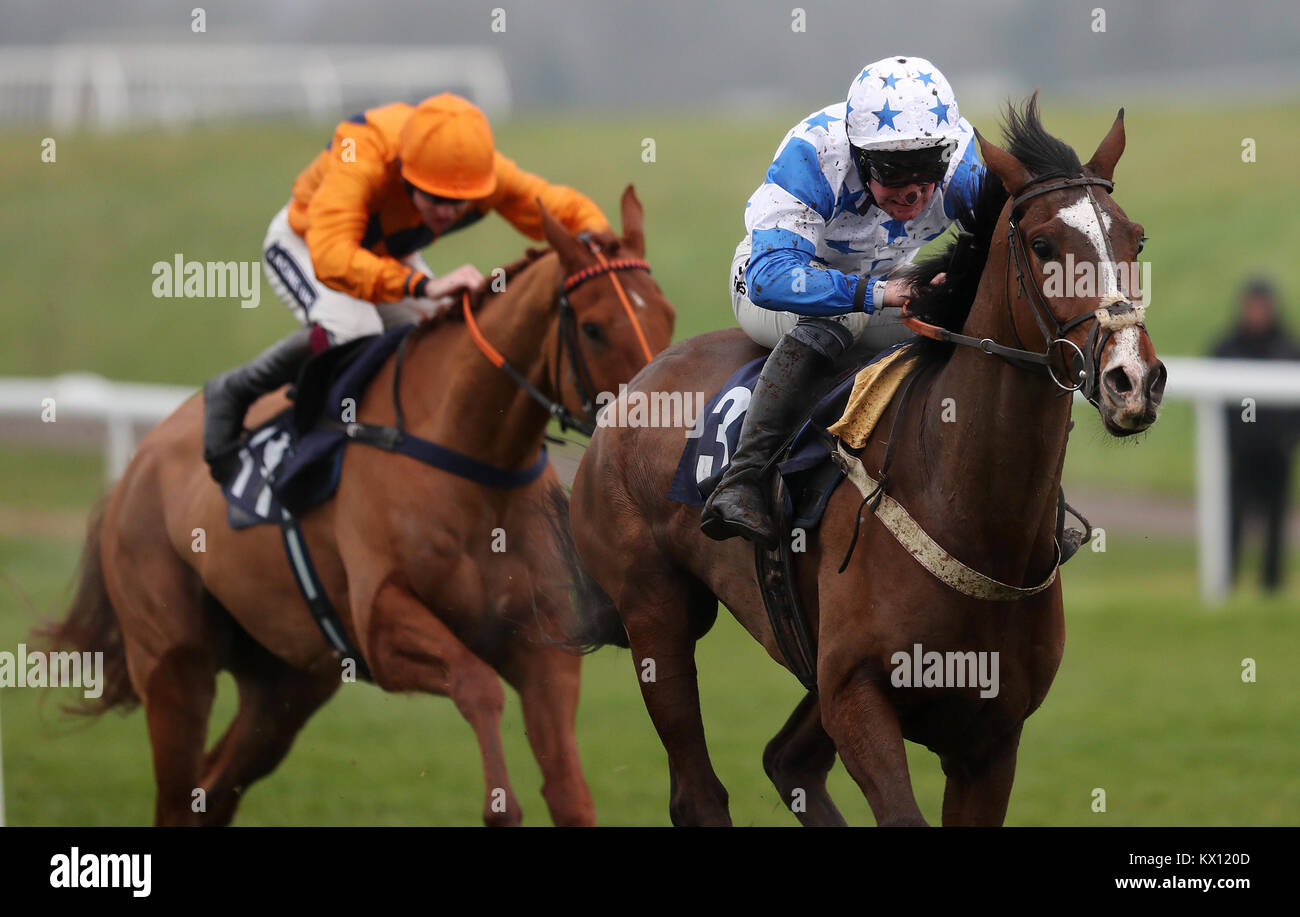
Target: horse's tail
x,y
91,626
597,620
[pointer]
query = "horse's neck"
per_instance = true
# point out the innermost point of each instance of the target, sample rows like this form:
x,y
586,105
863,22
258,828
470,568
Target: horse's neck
x,y
993,454
453,395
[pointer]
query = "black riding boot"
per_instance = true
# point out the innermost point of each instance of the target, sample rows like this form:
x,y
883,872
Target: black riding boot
x,y
228,396
791,380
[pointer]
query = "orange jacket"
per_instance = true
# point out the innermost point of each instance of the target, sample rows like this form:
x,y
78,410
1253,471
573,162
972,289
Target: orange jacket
x,y
351,207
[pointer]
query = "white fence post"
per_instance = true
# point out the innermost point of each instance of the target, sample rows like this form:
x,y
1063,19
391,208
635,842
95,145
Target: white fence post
x,y
119,443
1212,500
83,397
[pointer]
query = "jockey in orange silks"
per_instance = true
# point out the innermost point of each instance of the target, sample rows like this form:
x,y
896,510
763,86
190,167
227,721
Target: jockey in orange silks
x,y
344,253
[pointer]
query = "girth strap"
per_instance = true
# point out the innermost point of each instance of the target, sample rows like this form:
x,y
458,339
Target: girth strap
x,y
928,552
309,584
391,439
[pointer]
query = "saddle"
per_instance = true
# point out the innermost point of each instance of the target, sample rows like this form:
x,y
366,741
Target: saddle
x,y
292,461
317,377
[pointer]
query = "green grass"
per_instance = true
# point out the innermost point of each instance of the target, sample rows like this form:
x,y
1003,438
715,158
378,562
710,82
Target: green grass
x,y
38,478
1149,705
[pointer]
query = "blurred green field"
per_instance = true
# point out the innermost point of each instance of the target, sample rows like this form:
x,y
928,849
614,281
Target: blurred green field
x,y
1149,704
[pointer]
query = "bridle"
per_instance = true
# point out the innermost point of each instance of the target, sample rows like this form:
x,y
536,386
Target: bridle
x,y
1112,315
567,339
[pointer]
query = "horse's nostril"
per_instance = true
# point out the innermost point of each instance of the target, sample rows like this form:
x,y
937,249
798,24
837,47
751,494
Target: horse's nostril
x,y
1118,381
1156,380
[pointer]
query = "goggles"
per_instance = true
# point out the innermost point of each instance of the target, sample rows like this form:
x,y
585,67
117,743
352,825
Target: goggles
x,y
435,199
895,168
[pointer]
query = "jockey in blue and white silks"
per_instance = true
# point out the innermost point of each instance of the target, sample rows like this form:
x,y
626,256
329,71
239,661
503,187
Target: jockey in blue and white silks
x,y
854,192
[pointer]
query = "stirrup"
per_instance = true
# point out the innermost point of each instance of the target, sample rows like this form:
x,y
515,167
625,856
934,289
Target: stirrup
x,y
1071,540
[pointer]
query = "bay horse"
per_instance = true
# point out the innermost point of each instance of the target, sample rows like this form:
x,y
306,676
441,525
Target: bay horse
x,y
405,550
983,483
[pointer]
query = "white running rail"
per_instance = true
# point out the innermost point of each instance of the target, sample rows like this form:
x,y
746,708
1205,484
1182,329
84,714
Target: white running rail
x,y
1211,385
113,85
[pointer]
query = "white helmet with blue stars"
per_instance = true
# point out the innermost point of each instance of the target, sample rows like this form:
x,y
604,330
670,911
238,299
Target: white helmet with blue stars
x,y
901,103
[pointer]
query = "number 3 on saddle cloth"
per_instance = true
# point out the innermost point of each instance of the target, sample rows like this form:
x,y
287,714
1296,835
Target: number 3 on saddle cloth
x,y
808,476
292,462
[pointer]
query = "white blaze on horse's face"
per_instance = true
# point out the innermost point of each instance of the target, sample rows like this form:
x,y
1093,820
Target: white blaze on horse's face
x,y
1081,216
1124,375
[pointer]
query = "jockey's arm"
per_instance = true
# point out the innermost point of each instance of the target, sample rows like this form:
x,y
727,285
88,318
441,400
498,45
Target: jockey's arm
x,y
338,214
782,276
786,218
516,199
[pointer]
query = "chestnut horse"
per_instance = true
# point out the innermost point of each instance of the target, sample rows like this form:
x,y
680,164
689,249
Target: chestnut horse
x,y
405,550
983,485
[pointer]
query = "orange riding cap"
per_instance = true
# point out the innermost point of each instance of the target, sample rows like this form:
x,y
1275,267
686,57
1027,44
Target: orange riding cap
x,y
351,206
446,149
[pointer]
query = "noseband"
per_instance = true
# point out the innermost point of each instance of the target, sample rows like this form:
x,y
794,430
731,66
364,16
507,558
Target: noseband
x,y
567,339
1113,314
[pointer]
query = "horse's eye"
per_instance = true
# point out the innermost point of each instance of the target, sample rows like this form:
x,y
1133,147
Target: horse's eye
x,y
592,330
1042,248
1142,244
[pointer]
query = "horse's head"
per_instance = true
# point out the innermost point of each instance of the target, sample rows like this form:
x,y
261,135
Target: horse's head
x,y
613,316
1071,278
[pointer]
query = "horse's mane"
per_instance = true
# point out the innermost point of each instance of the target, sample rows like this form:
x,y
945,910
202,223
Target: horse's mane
x,y
949,303
607,242
515,268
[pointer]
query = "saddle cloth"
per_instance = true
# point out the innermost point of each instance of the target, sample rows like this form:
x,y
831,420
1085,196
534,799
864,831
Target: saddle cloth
x,y
287,464
873,389
712,442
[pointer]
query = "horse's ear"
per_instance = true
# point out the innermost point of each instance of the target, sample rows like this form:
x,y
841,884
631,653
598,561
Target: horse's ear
x,y
570,250
1102,163
1006,167
633,226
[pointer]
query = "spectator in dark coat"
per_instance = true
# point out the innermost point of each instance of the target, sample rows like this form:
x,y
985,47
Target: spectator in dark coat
x,y
1260,450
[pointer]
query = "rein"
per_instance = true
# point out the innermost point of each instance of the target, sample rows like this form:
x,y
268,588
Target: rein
x,y
567,338
1112,315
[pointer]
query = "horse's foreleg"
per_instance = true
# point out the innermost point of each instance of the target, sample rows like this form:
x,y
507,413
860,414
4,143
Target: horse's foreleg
x,y
656,615
411,650
798,759
978,794
870,742
547,680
